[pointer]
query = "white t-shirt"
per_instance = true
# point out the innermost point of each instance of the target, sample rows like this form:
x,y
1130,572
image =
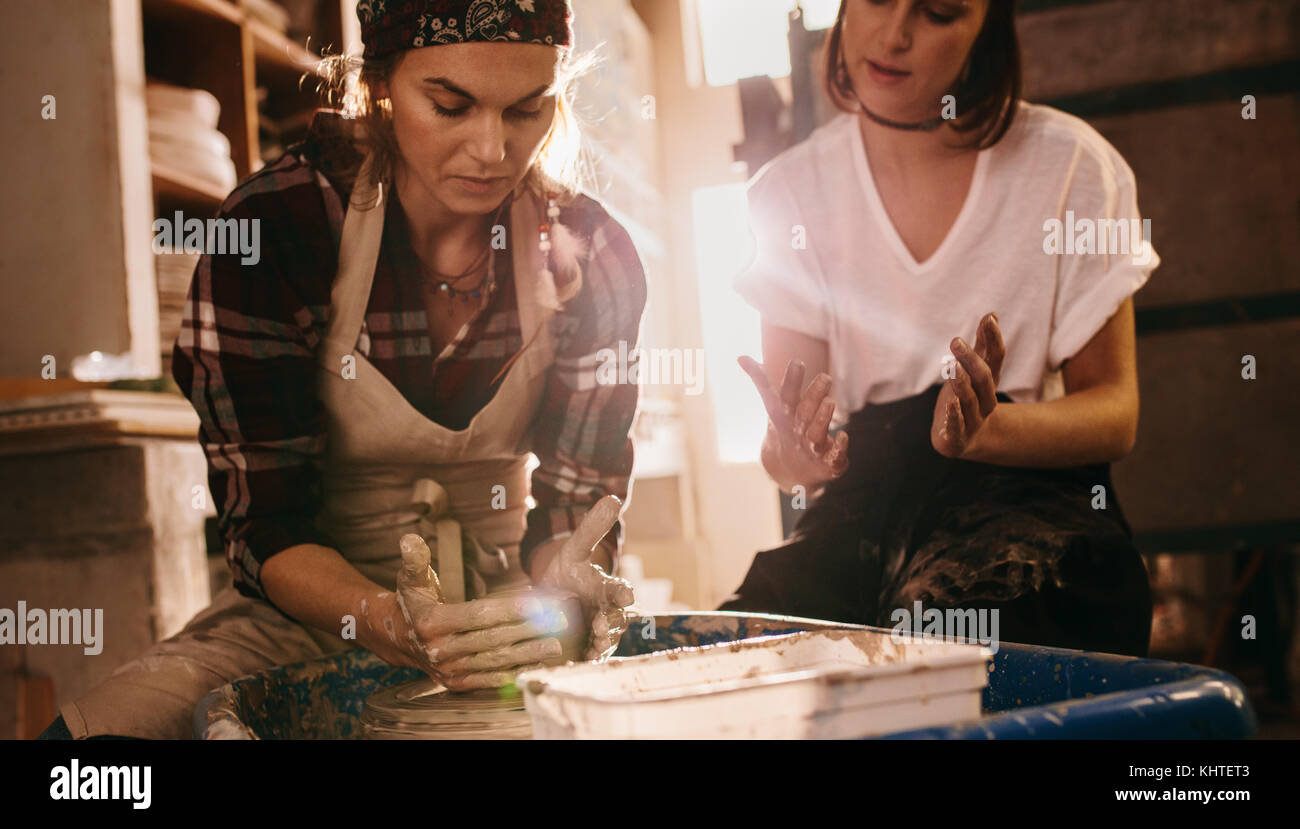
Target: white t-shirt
x,y
828,262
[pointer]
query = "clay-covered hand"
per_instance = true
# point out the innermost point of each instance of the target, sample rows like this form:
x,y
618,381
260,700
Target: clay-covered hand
x,y
604,598
970,395
798,424
482,643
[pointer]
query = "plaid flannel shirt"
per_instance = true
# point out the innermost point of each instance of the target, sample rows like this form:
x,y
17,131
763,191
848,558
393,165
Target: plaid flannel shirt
x,y
245,359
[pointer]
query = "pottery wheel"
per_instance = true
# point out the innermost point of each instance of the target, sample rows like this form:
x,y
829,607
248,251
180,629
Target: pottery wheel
x,y
425,710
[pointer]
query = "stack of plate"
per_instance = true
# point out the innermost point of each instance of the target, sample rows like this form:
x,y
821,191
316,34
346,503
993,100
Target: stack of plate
x,y
175,270
425,710
183,134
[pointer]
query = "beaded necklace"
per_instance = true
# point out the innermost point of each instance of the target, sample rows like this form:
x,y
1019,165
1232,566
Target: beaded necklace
x,y
439,283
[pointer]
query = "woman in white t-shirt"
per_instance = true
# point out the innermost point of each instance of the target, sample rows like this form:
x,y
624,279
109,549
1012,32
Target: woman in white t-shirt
x,y
961,288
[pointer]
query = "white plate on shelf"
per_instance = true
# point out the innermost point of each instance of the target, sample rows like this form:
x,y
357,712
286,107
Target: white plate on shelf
x,y
196,105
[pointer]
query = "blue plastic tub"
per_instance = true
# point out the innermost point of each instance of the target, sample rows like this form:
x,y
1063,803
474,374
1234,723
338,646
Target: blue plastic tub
x,y
1032,693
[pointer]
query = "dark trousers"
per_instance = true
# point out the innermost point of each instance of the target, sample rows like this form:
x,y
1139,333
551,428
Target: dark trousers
x,y
905,524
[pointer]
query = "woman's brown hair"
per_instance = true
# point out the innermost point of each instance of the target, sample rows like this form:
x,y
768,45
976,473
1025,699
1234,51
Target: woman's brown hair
x,y
987,93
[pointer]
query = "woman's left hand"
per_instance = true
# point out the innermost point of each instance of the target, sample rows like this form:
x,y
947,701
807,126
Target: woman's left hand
x,y
603,597
969,397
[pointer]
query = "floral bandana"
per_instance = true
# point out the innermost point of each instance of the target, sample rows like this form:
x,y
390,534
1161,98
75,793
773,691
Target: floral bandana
x,y
389,26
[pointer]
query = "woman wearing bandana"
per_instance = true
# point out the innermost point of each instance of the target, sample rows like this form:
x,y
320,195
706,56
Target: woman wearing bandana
x,y
988,371
432,290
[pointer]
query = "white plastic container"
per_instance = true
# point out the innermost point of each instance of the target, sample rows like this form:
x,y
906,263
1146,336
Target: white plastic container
x,y
816,684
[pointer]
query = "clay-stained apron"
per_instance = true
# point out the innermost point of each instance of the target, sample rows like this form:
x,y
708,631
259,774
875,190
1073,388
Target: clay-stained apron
x,y
390,470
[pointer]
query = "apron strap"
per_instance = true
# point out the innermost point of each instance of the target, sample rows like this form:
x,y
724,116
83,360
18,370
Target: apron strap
x,y
363,230
527,261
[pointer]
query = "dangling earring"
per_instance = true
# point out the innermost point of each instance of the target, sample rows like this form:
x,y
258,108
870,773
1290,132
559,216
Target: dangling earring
x,y
547,295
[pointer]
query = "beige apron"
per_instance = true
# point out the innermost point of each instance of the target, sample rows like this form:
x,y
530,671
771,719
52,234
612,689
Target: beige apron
x,y
388,471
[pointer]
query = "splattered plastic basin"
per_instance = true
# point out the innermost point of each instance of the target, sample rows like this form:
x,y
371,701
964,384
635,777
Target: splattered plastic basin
x,y
1032,692
815,684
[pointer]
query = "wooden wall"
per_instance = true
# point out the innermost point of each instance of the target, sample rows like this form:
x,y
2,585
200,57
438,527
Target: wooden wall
x,y
1163,80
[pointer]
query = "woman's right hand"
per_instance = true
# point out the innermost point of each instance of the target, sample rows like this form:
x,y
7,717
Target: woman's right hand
x,y
484,643
797,440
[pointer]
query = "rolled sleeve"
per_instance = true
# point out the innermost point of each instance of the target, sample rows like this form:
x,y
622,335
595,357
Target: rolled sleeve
x,y
252,543
1094,285
782,279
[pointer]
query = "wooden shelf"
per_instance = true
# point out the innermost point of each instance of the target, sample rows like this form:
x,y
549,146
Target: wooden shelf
x,y
178,186
220,46
278,51
14,387
73,420
215,9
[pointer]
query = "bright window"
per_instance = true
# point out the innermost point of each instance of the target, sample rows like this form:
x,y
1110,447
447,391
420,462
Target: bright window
x,y
731,327
819,14
747,38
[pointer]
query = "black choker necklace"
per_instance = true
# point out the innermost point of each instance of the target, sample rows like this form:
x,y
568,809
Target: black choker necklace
x,y
929,125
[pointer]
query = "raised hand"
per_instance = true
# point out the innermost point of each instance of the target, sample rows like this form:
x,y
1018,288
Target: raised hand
x,y
603,597
798,424
969,397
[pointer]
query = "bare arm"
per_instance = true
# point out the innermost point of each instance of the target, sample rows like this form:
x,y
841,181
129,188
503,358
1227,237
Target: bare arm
x,y
317,586
1095,422
797,451
781,345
